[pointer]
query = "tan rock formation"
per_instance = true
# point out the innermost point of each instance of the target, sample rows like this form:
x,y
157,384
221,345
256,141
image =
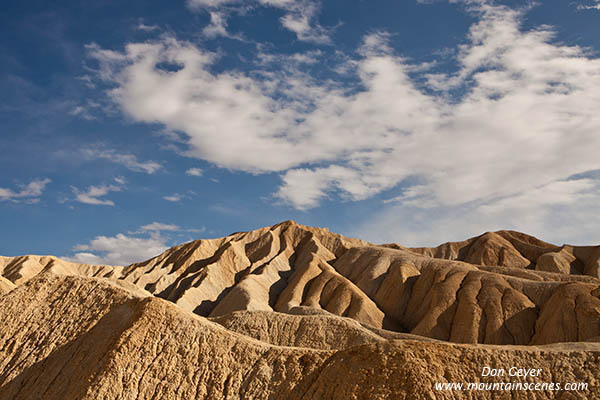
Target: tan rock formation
x,y
6,285
288,308
88,338
20,269
518,250
323,331
497,297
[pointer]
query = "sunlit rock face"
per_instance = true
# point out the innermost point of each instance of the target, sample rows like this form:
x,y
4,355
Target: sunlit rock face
x,y
286,311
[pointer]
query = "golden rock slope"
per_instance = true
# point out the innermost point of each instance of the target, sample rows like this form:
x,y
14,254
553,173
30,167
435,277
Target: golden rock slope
x,y
90,338
299,312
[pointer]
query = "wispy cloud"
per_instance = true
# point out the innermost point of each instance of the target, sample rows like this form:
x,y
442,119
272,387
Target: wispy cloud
x,y
29,193
158,226
301,19
82,112
217,26
211,3
87,109
173,198
93,195
194,172
87,80
128,160
147,28
300,16
176,197
589,6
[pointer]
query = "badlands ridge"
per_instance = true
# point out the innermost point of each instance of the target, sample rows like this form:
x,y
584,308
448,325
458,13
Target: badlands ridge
x,y
296,312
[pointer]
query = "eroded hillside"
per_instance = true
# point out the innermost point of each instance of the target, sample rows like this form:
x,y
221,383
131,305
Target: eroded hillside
x,y
291,311
493,289
90,338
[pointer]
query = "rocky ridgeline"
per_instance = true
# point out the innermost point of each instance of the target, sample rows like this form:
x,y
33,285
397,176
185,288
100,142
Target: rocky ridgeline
x,y
291,311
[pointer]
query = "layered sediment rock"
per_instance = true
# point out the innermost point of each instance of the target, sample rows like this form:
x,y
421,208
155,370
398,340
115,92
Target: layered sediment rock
x,y
286,311
90,338
493,289
518,250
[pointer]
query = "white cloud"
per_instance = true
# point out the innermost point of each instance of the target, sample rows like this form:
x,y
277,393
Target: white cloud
x,y
589,6
527,117
123,249
93,193
306,188
299,18
128,160
176,197
217,26
87,80
118,250
231,106
194,172
34,188
210,3
6,194
29,193
173,198
82,112
147,28
158,226
559,212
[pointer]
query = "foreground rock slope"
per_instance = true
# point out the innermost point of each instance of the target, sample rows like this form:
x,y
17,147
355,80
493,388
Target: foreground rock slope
x,y
291,311
90,338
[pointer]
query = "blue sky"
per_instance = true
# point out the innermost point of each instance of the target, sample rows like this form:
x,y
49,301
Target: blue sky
x,y
129,127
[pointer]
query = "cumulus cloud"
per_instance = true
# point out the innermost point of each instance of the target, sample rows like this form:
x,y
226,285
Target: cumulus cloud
x,y
122,249
118,250
231,106
525,117
307,187
29,193
128,160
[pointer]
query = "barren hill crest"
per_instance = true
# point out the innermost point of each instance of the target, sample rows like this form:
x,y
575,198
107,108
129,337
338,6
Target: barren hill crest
x,y
497,288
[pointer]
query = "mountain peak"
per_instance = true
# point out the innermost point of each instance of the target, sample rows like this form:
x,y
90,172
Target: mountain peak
x,y
288,265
